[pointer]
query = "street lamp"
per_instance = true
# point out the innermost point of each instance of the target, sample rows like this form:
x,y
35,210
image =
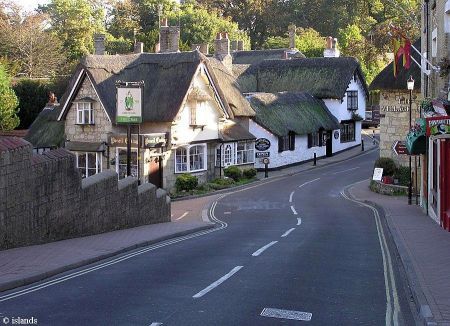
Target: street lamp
x,y
410,84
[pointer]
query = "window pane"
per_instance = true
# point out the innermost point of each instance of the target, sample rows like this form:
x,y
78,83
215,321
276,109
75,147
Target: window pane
x,y
181,159
196,158
92,160
80,116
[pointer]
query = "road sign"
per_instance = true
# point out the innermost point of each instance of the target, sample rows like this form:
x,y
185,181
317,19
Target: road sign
x,y
399,148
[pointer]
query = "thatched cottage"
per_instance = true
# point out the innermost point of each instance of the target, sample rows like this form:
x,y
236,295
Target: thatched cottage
x,y
338,87
192,106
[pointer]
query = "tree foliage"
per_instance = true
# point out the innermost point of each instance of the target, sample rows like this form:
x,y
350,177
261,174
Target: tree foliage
x,y
8,103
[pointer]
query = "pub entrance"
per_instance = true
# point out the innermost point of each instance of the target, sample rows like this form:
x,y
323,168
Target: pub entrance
x,y
155,172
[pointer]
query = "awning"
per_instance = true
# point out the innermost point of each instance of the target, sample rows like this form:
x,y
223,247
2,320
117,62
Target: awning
x,y
79,146
416,139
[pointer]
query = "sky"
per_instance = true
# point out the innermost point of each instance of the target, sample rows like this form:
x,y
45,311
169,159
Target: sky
x,y
30,5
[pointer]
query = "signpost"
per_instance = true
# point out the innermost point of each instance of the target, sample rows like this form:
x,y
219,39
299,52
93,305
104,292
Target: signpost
x,y
377,174
399,148
129,111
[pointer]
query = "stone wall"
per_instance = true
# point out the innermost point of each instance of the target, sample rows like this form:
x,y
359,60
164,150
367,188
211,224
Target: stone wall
x,y
43,198
394,121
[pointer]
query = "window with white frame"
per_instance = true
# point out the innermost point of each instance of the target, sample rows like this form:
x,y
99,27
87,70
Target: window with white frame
x,y
347,131
121,159
245,152
190,158
85,113
228,155
89,163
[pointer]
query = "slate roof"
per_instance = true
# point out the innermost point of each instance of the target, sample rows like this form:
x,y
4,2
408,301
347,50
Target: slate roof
x,y
301,113
385,80
257,56
46,131
325,78
167,78
11,143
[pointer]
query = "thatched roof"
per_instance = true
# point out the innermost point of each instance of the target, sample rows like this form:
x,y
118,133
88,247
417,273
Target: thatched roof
x,y
301,113
257,56
46,131
385,80
234,131
167,78
322,77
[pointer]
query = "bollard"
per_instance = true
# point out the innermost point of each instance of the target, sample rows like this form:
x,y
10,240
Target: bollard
x,y
266,170
315,159
362,145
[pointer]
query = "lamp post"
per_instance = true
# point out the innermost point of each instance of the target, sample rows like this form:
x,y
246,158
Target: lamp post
x,y
410,84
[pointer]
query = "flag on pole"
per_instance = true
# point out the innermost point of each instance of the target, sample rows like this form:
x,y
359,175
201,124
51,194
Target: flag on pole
x,y
402,53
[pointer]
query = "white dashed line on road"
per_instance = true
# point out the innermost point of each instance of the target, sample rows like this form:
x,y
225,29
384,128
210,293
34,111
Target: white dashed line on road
x,y
260,250
285,234
226,213
184,214
156,324
290,197
304,184
286,314
293,210
299,221
217,283
346,170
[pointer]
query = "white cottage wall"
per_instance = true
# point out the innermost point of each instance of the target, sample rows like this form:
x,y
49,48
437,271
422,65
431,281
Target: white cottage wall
x,y
300,154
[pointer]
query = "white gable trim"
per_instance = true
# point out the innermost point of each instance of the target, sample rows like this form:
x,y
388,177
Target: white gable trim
x,y
70,95
76,85
216,93
101,103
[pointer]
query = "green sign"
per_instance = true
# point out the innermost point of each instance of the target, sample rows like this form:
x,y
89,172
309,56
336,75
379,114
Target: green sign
x,y
129,105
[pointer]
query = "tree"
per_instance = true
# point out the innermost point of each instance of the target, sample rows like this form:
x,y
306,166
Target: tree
x,y
8,103
34,49
307,40
75,22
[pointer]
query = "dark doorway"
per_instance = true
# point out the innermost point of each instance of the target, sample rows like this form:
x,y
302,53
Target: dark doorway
x,y
329,143
155,171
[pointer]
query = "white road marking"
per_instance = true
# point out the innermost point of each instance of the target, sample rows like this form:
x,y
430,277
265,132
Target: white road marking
x,y
226,213
304,184
392,309
285,234
156,324
290,197
286,314
293,210
299,221
184,214
217,283
355,168
260,250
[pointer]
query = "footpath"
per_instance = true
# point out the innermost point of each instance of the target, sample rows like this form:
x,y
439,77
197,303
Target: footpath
x,y
26,265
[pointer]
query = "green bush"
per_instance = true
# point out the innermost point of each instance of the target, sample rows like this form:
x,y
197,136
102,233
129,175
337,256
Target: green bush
x,y
402,174
233,172
249,173
186,182
218,184
387,164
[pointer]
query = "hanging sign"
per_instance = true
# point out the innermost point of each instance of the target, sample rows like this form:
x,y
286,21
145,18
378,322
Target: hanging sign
x,y
438,125
120,140
129,104
399,148
262,144
154,140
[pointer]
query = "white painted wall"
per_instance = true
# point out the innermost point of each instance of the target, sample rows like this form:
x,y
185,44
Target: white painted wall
x,y
208,114
339,110
301,152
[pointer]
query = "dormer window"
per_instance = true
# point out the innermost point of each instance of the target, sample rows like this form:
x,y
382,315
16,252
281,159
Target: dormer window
x,y
352,100
85,113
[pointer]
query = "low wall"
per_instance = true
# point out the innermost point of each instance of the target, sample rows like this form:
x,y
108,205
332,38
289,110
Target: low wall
x,y
43,198
388,189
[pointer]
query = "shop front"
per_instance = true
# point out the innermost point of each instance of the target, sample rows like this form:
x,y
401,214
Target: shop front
x,y
146,157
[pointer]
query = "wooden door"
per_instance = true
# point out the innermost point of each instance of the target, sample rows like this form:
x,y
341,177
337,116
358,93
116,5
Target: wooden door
x,y
155,171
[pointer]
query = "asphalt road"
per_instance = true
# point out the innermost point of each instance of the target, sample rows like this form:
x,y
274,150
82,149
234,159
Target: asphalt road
x,y
293,249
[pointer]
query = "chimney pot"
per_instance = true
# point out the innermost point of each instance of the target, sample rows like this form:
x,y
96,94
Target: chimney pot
x,y
329,42
164,22
292,30
139,47
99,44
331,51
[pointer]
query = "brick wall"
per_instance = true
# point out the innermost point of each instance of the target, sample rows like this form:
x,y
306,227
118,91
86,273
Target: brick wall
x,y
43,198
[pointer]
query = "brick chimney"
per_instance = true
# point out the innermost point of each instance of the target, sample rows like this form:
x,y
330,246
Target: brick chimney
x,y
292,29
222,50
99,44
169,37
331,50
202,47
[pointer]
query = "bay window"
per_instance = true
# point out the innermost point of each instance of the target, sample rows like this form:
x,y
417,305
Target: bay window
x,y
89,163
190,158
241,152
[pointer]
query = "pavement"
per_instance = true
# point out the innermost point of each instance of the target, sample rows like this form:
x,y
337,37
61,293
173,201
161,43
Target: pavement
x,y
26,265
423,247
